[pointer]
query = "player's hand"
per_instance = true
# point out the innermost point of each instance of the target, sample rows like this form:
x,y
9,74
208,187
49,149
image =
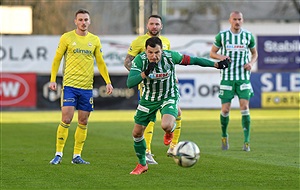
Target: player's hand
x,y
248,67
223,64
53,86
150,68
109,89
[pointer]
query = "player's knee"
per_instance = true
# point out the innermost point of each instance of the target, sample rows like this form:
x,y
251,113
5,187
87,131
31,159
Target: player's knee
x,y
66,120
167,126
245,112
225,111
138,131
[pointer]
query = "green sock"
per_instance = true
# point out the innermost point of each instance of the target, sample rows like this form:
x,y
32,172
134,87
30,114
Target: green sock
x,y
140,151
224,124
246,127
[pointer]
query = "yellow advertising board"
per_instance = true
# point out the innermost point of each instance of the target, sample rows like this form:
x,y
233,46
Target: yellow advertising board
x,y
280,99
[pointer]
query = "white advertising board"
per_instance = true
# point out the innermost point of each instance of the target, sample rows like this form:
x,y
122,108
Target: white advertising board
x,y
201,90
34,54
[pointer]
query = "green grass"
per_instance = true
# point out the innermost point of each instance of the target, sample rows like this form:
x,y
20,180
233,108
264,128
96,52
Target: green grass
x,y
273,163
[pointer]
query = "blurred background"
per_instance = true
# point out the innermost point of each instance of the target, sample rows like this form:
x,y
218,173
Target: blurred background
x,y
30,31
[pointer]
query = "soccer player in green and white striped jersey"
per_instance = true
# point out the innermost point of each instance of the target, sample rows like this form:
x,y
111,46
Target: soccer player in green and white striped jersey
x,y
234,44
156,68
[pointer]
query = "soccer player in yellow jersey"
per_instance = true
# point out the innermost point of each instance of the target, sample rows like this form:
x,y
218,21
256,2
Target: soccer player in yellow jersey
x,y
79,49
154,26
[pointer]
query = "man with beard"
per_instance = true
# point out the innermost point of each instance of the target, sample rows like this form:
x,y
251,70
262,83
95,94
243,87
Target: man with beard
x,y
154,27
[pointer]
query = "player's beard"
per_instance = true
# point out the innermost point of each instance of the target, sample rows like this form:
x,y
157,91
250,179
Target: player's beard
x,y
237,27
83,28
154,32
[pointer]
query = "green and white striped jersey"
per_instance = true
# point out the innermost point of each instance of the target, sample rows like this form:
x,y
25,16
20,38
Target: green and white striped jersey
x,y
237,47
161,82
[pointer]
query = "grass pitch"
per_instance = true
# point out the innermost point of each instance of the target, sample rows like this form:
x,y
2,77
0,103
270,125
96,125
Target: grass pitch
x,y
28,144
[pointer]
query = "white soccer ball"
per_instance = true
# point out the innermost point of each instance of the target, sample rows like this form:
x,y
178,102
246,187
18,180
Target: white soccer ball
x,y
186,154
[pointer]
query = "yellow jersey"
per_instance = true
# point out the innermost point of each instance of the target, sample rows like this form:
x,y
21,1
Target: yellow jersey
x,y
138,45
79,53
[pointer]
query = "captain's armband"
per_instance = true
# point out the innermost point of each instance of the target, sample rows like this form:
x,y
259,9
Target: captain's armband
x,y
186,60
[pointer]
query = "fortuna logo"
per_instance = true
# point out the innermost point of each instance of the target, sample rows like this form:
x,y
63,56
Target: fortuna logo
x,y
83,51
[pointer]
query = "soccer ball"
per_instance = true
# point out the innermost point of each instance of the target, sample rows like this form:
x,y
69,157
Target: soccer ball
x,y
186,154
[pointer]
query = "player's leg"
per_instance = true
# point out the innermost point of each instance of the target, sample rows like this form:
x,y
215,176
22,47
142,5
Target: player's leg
x,y
62,132
169,112
245,92
148,133
80,137
145,113
246,120
140,150
63,128
226,94
224,118
139,143
84,106
177,133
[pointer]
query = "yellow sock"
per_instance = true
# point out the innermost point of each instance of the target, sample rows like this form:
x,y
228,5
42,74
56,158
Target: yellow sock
x,y
61,136
148,134
80,136
177,131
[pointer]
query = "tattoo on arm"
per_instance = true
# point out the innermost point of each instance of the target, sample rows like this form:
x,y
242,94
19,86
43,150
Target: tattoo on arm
x,y
127,62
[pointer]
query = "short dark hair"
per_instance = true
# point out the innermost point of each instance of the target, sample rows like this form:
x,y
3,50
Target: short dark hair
x,y
82,11
155,16
153,41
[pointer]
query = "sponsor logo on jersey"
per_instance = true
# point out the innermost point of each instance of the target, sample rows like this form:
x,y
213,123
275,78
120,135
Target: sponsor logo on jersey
x,y
83,51
143,108
159,75
236,47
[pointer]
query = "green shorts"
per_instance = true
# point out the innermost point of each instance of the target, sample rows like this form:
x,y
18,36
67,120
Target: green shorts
x,y
228,89
146,110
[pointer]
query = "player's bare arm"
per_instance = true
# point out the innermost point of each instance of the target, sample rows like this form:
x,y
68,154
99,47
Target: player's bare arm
x,y
127,62
213,54
254,56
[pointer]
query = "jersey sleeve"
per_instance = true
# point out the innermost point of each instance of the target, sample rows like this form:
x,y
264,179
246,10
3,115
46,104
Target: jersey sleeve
x,y
135,47
101,63
176,57
166,43
179,58
217,41
134,76
60,51
252,42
